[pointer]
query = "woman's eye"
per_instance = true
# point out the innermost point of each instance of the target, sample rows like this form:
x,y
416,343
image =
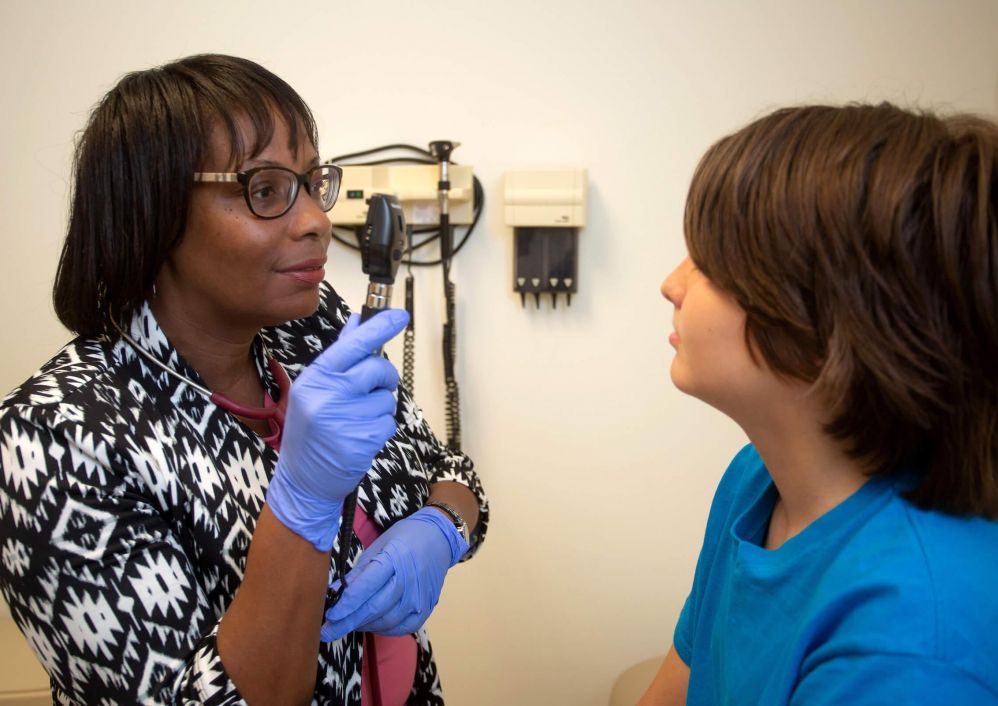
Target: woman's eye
x,y
262,191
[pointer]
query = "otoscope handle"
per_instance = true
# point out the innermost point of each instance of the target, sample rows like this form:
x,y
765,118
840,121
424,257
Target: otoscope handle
x,y
382,240
350,502
379,298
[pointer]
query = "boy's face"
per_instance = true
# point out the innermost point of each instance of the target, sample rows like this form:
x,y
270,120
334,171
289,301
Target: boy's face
x,y
712,359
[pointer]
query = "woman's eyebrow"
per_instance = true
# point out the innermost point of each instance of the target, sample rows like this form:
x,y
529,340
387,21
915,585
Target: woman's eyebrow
x,y
253,162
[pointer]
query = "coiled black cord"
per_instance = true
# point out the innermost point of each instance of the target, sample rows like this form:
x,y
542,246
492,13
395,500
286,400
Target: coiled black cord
x,y
409,339
350,238
452,399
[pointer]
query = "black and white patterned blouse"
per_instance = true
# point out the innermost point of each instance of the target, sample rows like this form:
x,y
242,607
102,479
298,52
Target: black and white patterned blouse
x,y
127,504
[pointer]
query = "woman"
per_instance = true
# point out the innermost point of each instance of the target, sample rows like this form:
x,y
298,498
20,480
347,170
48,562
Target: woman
x,y
170,498
839,303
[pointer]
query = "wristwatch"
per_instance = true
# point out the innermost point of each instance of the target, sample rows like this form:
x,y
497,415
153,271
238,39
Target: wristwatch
x,y
454,516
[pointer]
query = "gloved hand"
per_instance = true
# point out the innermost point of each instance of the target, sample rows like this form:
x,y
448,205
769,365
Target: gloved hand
x,y
341,412
397,580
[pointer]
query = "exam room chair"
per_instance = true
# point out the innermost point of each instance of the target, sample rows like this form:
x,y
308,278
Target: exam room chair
x,y
633,681
23,682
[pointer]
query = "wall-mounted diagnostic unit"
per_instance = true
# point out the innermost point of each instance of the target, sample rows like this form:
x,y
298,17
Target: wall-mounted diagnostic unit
x,y
434,195
546,208
414,185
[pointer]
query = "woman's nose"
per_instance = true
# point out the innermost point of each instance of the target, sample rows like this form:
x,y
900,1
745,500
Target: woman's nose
x,y
309,217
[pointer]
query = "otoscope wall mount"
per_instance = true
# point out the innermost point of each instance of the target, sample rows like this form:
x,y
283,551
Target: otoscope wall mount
x,y
414,185
546,209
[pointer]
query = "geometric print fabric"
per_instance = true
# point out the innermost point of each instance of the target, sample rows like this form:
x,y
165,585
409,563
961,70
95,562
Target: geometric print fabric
x,y
127,503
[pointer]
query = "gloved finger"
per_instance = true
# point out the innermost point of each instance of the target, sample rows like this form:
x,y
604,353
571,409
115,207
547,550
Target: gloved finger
x,y
372,373
355,344
362,584
366,432
390,618
382,402
353,321
384,601
370,606
393,612
328,634
331,630
415,600
410,623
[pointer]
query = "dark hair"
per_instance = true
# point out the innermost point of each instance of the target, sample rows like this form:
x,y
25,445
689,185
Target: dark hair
x,y
133,174
862,242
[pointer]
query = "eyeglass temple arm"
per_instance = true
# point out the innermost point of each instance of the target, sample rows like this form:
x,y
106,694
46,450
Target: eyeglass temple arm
x,y
216,176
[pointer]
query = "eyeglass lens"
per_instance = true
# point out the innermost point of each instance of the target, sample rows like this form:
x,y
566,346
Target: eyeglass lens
x,y
273,191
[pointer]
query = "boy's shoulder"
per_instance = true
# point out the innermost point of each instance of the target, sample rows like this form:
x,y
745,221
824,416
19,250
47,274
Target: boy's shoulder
x,y
958,556
918,583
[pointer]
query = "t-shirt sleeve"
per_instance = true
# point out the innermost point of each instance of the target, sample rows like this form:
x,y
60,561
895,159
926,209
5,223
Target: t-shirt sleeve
x,y
877,679
682,638
742,469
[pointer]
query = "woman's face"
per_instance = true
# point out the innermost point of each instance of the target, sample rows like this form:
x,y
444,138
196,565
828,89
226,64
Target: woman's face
x,y
712,359
233,273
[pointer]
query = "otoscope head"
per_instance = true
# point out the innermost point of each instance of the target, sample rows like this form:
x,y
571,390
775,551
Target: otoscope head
x,y
441,149
383,238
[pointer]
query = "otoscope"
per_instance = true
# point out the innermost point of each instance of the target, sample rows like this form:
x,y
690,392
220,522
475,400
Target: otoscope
x,y
441,151
381,244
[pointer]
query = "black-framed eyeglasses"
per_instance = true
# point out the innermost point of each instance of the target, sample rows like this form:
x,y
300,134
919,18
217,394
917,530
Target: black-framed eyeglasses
x,y
270,192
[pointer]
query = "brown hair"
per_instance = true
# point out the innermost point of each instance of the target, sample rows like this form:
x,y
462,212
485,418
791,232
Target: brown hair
x,y
862,241
133,174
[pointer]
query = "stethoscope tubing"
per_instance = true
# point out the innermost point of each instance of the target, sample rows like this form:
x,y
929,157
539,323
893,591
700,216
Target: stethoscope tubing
x,y
217,398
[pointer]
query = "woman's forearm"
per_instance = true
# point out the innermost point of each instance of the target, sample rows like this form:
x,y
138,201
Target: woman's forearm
x,y
460,497
268,639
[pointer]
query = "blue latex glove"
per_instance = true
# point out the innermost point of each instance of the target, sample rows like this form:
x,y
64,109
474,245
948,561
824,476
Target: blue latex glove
x,y
341,412
397,580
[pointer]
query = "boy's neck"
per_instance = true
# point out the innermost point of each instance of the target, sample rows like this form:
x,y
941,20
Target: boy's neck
x,y
810,469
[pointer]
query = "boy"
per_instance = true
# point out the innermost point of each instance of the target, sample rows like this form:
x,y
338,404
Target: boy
x,y
839,303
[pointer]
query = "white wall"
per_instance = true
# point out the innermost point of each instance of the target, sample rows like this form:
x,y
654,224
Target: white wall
x,y
600,474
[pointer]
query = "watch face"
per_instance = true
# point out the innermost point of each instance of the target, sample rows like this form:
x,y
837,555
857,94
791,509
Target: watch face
x,y
456,518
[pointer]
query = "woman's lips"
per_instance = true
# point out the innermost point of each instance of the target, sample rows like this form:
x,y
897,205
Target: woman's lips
x,y
308,272
674,338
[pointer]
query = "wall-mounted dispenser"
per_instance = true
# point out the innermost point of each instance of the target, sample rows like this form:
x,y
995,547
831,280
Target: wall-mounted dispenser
x,y
546,208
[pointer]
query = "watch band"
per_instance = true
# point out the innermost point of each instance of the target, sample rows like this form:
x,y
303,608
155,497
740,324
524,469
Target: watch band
x,y
455,517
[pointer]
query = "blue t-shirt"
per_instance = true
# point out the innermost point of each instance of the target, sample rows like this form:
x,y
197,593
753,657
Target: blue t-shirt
x,y
875,602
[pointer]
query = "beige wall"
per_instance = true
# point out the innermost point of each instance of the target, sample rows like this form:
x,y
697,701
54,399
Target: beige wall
x,y
600,474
